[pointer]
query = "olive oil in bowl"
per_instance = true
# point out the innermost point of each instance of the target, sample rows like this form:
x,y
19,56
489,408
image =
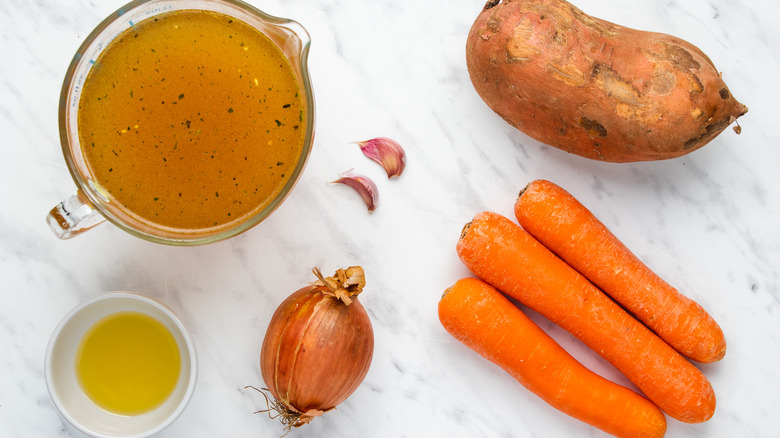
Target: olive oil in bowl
x,y
121,364
128,363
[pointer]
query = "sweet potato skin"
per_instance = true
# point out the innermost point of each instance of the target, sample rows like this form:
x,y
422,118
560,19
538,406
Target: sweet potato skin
x,y
593,88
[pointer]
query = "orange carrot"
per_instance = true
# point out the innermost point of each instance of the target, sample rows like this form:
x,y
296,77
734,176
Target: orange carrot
x,y
506,256
477,315
561,223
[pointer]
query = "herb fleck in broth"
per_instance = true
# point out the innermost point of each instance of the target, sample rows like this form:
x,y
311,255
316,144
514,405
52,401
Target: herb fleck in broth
x,y
191,120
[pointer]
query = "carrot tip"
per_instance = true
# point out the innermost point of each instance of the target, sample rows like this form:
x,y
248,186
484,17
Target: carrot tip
x,y
465,229
523,190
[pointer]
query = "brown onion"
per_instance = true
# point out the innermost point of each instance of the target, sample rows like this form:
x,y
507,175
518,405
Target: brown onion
x,y
318,347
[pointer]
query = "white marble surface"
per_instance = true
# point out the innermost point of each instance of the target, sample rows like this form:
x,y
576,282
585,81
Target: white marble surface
x,y
706,222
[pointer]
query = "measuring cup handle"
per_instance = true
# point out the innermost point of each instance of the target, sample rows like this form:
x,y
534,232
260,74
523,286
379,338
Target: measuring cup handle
x,y
73,216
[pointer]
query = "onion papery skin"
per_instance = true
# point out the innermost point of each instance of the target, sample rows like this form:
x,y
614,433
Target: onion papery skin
x,y
317,350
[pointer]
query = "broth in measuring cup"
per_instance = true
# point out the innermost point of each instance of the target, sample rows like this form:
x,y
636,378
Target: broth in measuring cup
x,y
191,120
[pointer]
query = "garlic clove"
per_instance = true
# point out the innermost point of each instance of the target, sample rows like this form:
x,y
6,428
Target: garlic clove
x,y
385,151
365,187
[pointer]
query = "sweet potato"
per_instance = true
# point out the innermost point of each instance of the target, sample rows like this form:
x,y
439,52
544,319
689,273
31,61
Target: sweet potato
x,y
593,88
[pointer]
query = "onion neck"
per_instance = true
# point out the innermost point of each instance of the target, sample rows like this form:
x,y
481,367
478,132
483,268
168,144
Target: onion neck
x,y
344,284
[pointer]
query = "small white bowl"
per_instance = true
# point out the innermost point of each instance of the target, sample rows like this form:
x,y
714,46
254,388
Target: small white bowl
x,y
71,400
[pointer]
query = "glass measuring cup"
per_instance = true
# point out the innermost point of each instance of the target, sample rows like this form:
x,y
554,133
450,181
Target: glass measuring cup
x,y
91,204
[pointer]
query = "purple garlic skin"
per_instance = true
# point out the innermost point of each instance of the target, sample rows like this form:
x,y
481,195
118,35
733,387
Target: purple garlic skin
x,y
387,152
364,185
